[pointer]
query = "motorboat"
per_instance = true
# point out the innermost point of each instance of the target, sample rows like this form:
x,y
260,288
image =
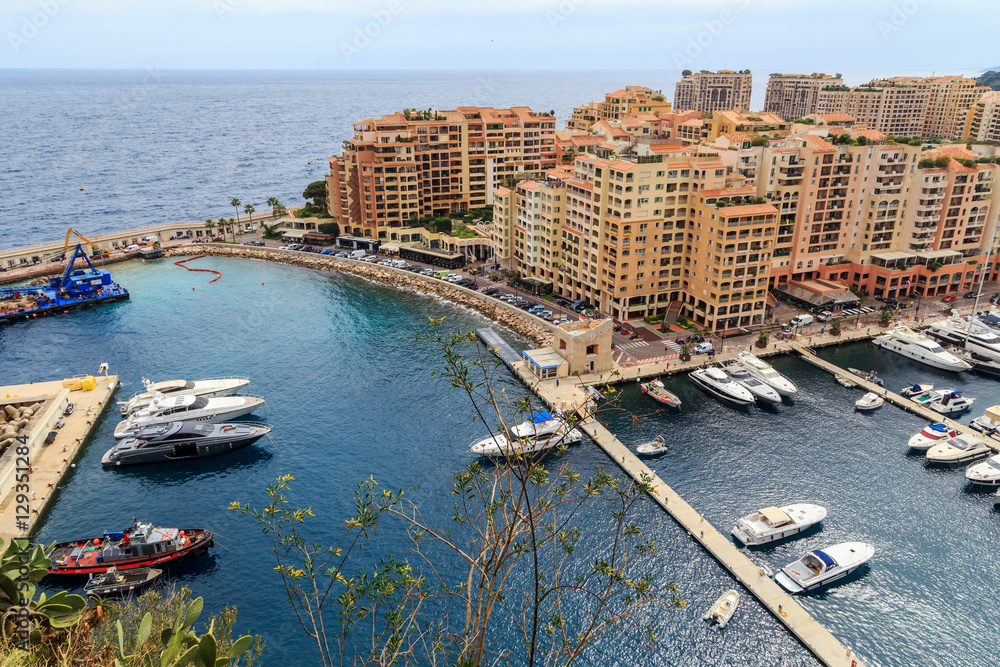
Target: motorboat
x,y
722,611
139,545
961,448
986,473
930,435
821,567
868,402
113,583
180,441
915,390
762,392
904,341
594,394
951,401
716,382
930,397
870,376
655,390
188,408
655,446
764,372
844,382
213,388
776,523
964,333
989,421
541,431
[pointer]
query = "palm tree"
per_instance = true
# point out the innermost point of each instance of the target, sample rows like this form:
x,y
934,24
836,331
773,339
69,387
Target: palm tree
x,y
235,203
249,210
210,224
274,204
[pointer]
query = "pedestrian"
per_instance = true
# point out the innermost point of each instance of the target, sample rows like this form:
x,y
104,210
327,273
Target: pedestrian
x,y
557,382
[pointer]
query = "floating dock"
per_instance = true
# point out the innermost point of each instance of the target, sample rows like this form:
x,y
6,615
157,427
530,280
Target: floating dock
x,y
507,354
33,467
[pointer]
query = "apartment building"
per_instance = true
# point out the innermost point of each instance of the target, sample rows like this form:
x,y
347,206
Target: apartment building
x,y
793,96
741,121
713,91
626,102
982,123
415,164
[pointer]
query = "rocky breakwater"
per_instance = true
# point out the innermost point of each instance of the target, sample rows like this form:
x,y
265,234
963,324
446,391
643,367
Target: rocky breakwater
x,y
14,423
526,326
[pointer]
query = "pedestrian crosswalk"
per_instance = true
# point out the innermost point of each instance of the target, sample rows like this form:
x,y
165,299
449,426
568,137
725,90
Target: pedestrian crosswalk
x,y
633,345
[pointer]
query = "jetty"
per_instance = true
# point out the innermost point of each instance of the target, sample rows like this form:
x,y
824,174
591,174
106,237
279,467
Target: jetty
x,y
507,354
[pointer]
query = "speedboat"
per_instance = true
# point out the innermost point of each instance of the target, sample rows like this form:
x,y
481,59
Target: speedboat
x,y
930,435
870,376
989,421
594,394
821,567
904,341
776,523
188,408
915,390
764,372
140,545
655,390
720,385
723,609
965,333
762,392
113,582
179,441
541,431
868,402
213,388
952,401
655,446
959,449
986,473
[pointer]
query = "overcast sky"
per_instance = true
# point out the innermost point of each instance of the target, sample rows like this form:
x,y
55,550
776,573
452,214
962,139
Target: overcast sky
x,y
918,36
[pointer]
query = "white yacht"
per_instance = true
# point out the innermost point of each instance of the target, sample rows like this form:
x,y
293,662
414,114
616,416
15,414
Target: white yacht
x,y
868,402
723,609
931,435
965,333
959,449
986,473
951,401
915,390
541,431
908,343
989,421
655,446
776,523
188,409
820,567
762,392
716,382
208,388
764,372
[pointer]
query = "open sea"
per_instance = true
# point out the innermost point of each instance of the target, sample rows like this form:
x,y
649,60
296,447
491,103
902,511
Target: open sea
x,y
349,391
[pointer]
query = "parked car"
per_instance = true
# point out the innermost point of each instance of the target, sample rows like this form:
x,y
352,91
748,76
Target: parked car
x,y
466,282
561,320
970,295
825,316
258,243
544,314
326,251
950,297
135,248
490,290
427,272
703,348
341,254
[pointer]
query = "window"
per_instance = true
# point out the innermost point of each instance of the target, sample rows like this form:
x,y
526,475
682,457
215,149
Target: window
x,y
591,350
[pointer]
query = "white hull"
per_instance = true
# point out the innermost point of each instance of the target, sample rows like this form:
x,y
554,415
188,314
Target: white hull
x,y
797,577
958,450
764,372
753,531
723,609
203,388
953,406
924,440
208,415
869,402
501,446
728,390
986,473
912,350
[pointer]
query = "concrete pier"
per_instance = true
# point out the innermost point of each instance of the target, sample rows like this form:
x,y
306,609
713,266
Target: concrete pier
x,y
507,354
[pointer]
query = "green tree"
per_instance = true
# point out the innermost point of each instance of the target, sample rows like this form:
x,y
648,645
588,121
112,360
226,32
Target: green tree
x,y
315,190
942,162
274,204
329,228
249,210
235,203
862,140
210,225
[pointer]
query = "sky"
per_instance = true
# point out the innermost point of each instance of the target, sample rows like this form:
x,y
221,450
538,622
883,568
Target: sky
x,y
918,36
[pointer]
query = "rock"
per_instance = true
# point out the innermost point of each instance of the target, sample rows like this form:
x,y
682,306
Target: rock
x,y
12,412
20,423
35,408
26,413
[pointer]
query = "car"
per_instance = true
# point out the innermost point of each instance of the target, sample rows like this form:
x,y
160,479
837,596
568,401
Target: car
x,y
135,248
341,254
326,251
253,243
427,272
466,282
489,290
970,295
950,297
995,299
825,316
544,314
523,305
560,320
704,348
537,308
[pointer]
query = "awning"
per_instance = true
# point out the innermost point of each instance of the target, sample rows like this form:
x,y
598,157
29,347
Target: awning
x,y
775,516
932,255
890,256
293,233
544,358
389,247
834,299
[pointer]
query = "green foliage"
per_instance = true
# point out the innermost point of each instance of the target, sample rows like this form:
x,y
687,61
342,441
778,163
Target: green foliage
x,y
316,189
758,141
329,228
61,610
991,79
926,163
835,325
862,140
885,317
942,162
682,321
763,337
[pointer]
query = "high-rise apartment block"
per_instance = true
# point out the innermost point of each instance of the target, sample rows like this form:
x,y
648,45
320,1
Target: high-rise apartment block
x,y
793,96
414,164
627,102
982,123
713,91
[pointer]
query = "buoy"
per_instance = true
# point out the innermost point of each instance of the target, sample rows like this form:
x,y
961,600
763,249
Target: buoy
x,y
192,289
262,283
81,187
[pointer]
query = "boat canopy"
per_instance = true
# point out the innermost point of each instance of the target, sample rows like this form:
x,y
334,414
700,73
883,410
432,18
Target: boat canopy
x,y
823,556
775,516
170,385
939,427
993,413
992,319
540,417
715,373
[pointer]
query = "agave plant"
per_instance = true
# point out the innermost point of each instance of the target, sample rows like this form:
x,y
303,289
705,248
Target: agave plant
x,y
21,567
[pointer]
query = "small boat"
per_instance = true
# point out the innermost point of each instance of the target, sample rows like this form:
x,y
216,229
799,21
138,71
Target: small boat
x,y
180,441
870,376
844,382
720,385
776,523
185,409
915,390
764,372
112,582
655,390
959,449
594,394
989,421
762,392
952,401
931,434
541,431
655,446
904,341
213,388
821,567
722,611
139,545
986,473
868,402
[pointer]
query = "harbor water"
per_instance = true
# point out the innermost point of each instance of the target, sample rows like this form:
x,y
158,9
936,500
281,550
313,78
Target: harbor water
x,y
349,394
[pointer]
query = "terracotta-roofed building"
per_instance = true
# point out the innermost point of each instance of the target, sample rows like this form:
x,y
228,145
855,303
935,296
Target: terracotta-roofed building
x,y
731,121
794,96
713,91
982,123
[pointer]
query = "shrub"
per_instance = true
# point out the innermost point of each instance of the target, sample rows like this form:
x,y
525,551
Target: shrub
x,y
762,338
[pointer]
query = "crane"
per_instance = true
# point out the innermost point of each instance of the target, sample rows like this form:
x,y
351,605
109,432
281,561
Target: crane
x,y
97,251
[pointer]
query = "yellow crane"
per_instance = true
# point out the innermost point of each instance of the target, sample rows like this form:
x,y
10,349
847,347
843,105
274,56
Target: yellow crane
x,y
97,251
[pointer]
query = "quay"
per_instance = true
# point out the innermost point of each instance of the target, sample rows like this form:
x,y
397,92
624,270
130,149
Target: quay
x,y
492,339
52,441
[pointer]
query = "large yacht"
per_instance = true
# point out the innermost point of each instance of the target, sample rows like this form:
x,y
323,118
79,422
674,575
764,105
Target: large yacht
x,y
821,567
976,339
762,392
908,343
188,409
716,382
179,441
776,523
764,372
541,431
213,388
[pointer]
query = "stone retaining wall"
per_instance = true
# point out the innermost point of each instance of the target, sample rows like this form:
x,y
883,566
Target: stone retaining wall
x,y
537,330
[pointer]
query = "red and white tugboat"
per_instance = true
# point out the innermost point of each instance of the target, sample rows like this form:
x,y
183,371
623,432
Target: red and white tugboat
x,y
656,390
141,545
